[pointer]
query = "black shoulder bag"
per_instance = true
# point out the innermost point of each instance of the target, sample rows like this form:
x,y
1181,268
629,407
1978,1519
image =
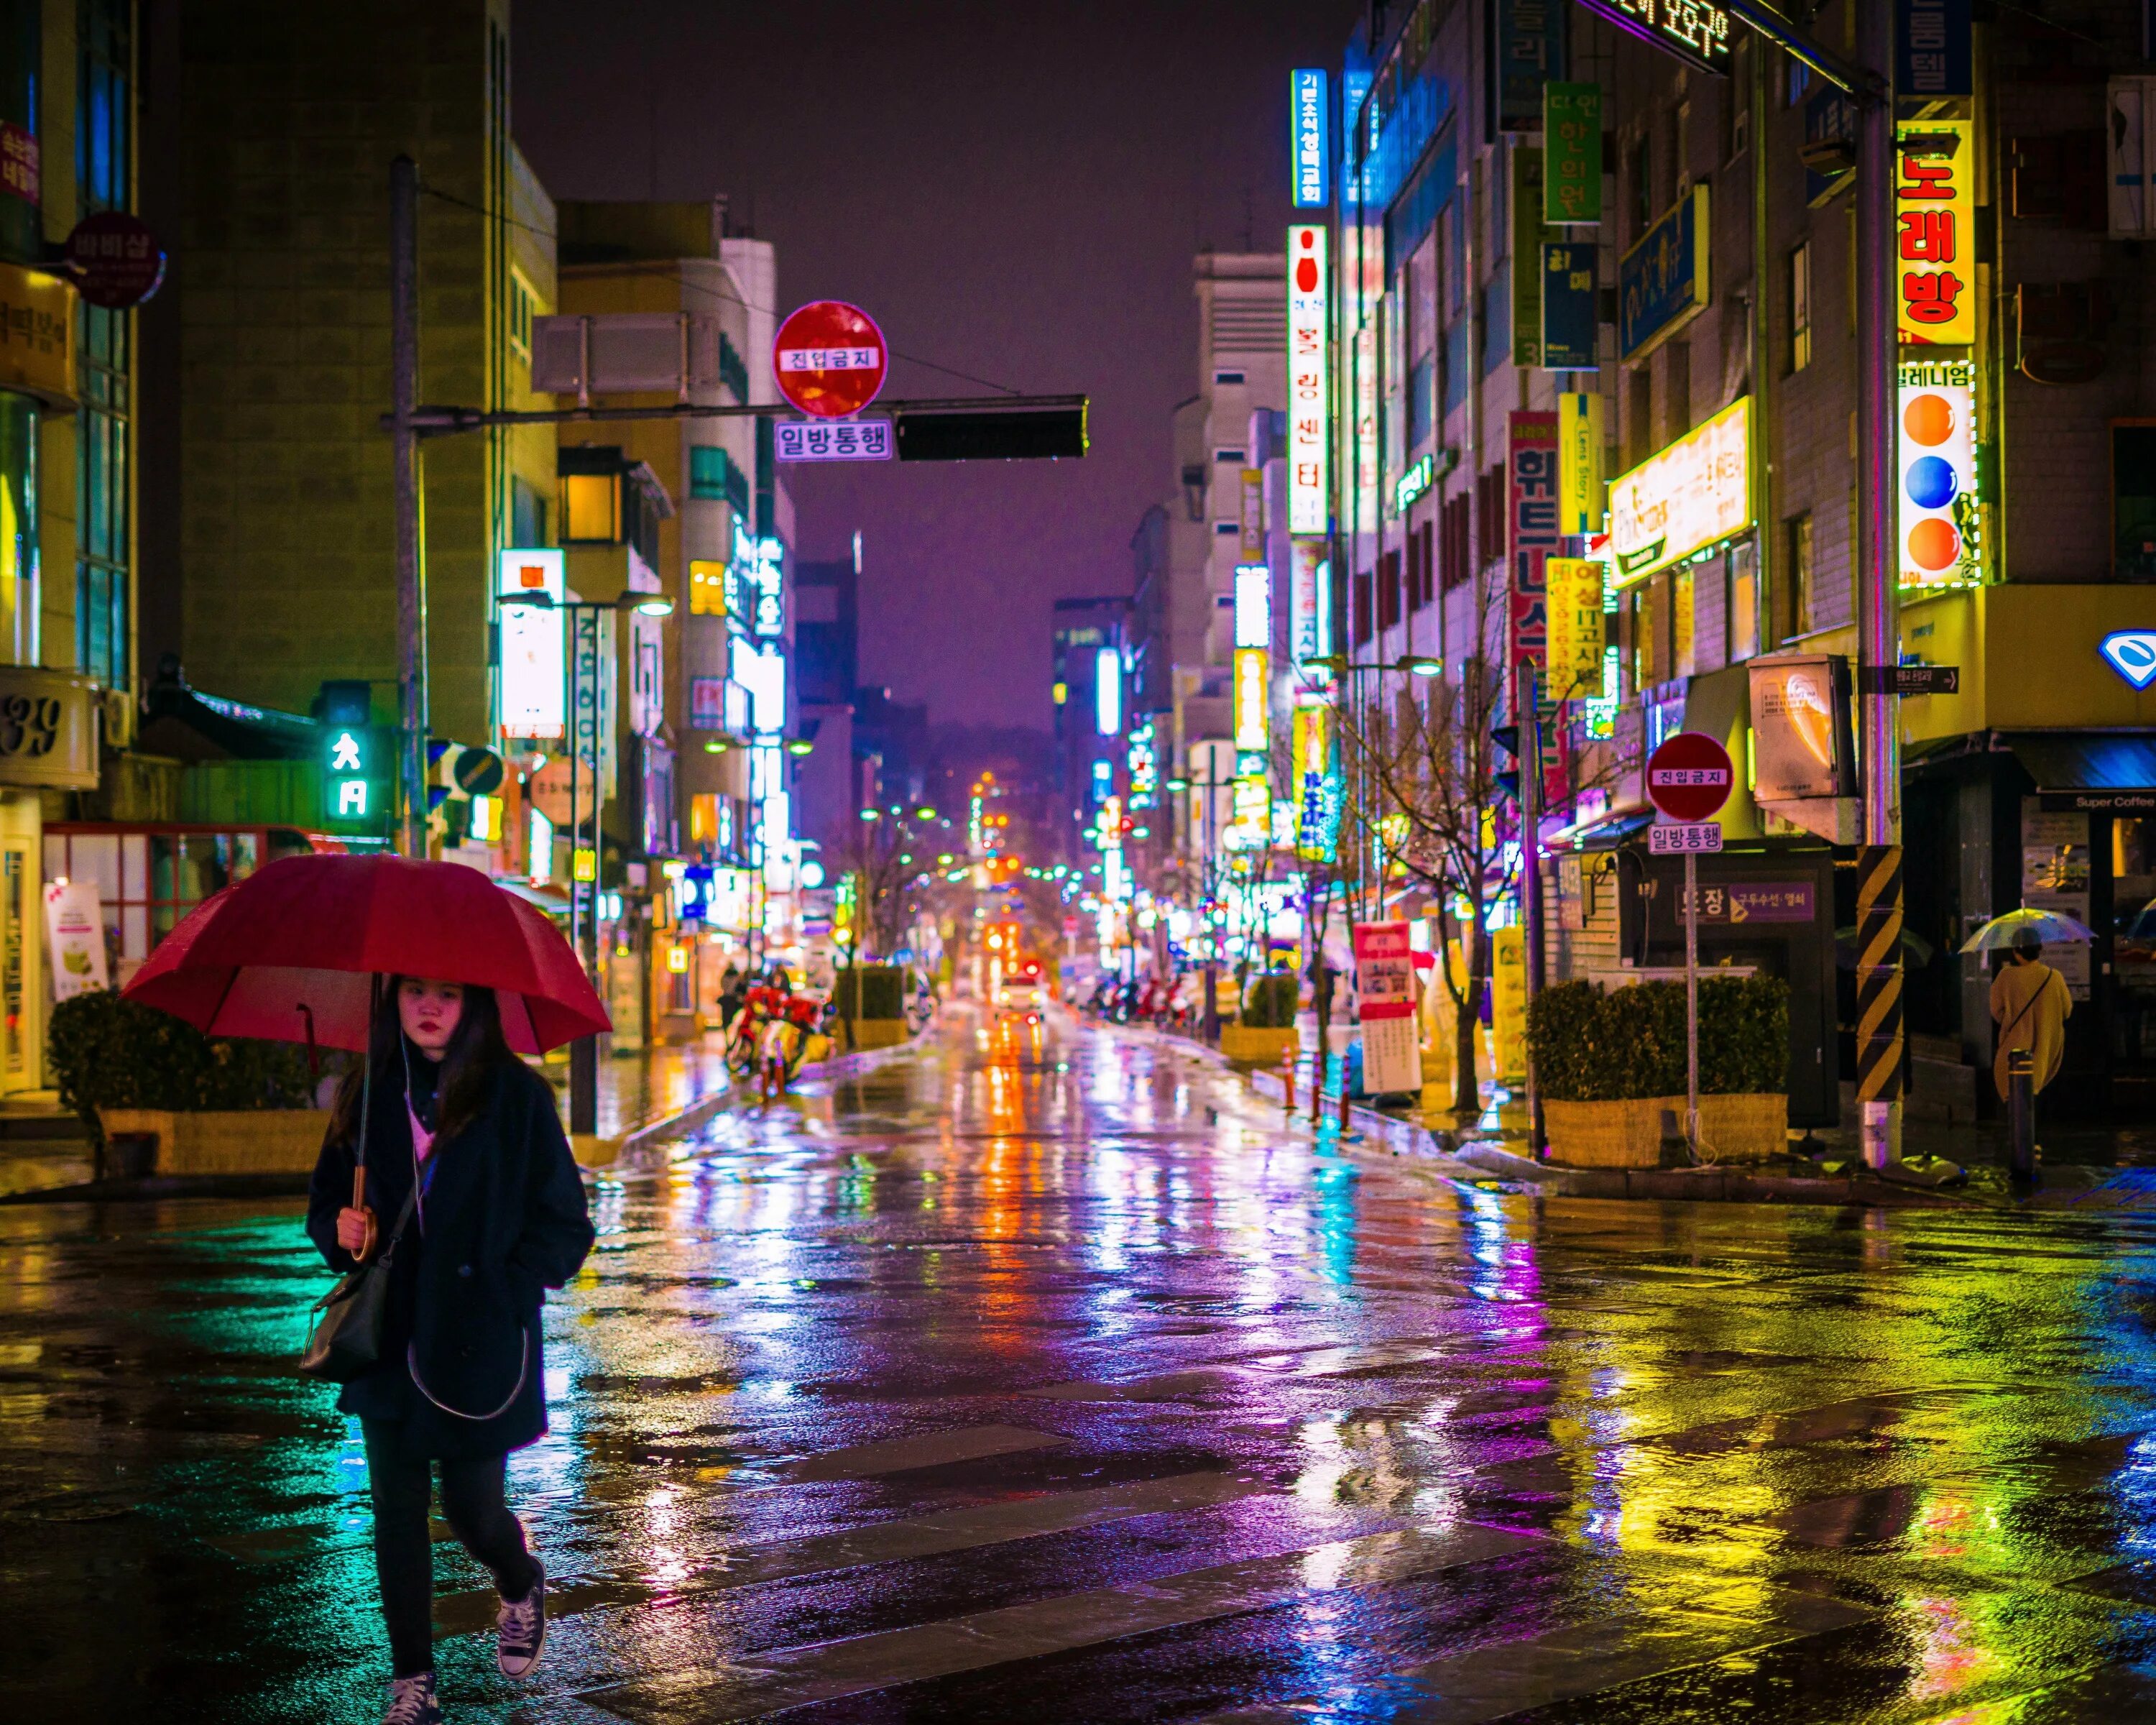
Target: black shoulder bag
x,y
345,1340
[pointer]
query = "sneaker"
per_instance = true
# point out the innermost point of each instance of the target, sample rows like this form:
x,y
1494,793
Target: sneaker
x,y
413,1702
520,1628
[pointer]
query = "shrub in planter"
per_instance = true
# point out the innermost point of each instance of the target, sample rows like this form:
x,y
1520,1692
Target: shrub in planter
x,y
1595,1046
1271,1001
107,1052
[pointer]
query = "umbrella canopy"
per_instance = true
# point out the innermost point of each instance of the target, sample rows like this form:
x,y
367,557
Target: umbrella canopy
x,y
299,939
2054,928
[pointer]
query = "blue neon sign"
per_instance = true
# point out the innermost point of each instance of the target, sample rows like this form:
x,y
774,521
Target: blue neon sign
x,y
1309,138
2131,653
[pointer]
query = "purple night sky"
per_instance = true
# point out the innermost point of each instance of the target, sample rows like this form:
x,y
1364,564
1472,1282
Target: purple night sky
x,y
1013,192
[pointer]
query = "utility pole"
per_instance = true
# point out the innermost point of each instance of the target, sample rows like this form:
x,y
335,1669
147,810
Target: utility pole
x,y
1878,597
404,462
1878,613
1527,703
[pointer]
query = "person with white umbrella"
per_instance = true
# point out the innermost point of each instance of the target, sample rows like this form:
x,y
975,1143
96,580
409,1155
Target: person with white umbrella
x,y
2030,1000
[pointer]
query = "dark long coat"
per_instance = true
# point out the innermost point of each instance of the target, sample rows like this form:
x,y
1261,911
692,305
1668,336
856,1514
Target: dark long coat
x,y
503,1218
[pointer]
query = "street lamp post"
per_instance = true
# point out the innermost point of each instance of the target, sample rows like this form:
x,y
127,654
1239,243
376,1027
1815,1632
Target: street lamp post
x,y
584,925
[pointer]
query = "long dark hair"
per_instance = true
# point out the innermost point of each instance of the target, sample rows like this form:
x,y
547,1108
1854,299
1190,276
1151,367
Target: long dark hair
x,y
477,1051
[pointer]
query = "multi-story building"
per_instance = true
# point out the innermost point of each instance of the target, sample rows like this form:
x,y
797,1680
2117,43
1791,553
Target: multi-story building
x,y
1090,691
1692,318
286,124
708,710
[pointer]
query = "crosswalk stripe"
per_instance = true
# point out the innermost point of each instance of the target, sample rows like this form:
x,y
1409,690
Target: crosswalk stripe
x,y
975,1443
826,1671
1569,1664
945,1530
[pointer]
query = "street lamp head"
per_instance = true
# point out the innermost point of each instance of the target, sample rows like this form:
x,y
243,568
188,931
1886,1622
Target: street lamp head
x,y
1419,665
924,814
799,746
871,815
649,604
1179,784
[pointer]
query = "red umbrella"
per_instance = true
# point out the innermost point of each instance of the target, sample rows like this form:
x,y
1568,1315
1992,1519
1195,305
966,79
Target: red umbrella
x,y
303,937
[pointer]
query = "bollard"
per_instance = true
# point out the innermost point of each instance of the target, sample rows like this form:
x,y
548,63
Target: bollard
x,y
1287,1079
2021,1115
1343,1094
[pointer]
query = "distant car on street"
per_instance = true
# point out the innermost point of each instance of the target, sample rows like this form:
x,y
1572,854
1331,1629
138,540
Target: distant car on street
x,y
1021,997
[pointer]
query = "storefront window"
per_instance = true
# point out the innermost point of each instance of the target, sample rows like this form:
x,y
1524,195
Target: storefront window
x,y
22,48
2134,938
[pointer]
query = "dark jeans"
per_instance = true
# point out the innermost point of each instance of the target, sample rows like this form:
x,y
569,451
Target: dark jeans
x,y
473,1505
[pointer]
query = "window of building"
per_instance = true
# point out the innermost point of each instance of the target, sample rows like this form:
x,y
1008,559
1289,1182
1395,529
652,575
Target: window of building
x,y
1231,458
1639,182
716,476
523,306
1222,529
103,363
1646,663
1743,604
1639,415
1683,639
2134,502
591,507
1677,391
527,513
1800,306
1224,379
1798,577
733,369
1799,82
1680,173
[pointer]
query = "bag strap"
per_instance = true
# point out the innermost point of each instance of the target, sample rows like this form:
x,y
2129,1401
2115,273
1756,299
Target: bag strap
x,y
404,1215
2041,988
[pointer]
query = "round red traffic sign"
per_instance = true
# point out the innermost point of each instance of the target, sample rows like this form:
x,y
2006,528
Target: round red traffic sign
x,y
830,359
116,261
1689,777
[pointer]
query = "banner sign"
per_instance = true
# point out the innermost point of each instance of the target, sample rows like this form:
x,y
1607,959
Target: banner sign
x,y
1693,495
1531,531
1309,138
1529,52
1571,153
1309,430
1573,588
1310,612
1583,494
1933,56
1693,31
1527,199
1941,537
1571,305
1384,998
1932,257
1662,282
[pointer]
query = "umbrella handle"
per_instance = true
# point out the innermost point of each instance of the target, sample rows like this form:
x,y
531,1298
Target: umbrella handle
x,y
359,1202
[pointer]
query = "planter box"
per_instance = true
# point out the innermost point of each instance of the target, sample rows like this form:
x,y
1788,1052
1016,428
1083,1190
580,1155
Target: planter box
x,y
1249,1045
1621,1134
258,1141
1628,1133
1743,1129
869,1033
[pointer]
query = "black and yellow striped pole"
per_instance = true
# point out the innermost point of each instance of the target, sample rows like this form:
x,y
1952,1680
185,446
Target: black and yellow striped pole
x,y
1879,974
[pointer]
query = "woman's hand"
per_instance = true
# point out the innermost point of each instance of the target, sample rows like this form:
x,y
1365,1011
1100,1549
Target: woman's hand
x,y
353,1228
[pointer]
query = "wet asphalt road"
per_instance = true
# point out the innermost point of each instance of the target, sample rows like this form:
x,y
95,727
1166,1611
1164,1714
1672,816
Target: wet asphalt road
x,y
1045,1378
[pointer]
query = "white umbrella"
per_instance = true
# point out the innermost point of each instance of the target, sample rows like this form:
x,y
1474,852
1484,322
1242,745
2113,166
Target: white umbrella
x,y
2054,928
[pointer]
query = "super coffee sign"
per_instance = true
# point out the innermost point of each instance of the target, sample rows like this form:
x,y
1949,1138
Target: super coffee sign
x,y
1689,777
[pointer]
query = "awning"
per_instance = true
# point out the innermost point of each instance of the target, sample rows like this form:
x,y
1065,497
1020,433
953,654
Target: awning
x,y
1603,833
2092,770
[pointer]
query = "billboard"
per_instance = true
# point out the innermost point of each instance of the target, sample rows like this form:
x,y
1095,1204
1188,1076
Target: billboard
x,y
1531,528
1309,138
1800,731
1252,690
534,680
1941,539
1934,239
1572,592
1254,605
1663,281
1309,416
1694,494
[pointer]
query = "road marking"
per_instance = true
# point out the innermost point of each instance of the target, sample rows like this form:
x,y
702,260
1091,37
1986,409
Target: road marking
x,y
949,1530
1318,1360
1569,1664
796,1676
858,1462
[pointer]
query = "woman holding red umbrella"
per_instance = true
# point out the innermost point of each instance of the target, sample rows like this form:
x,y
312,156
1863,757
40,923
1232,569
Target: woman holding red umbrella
x,y
445,1170
469,1136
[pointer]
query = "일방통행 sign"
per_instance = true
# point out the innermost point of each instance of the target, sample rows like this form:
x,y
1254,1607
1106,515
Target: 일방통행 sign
x,y
831,441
